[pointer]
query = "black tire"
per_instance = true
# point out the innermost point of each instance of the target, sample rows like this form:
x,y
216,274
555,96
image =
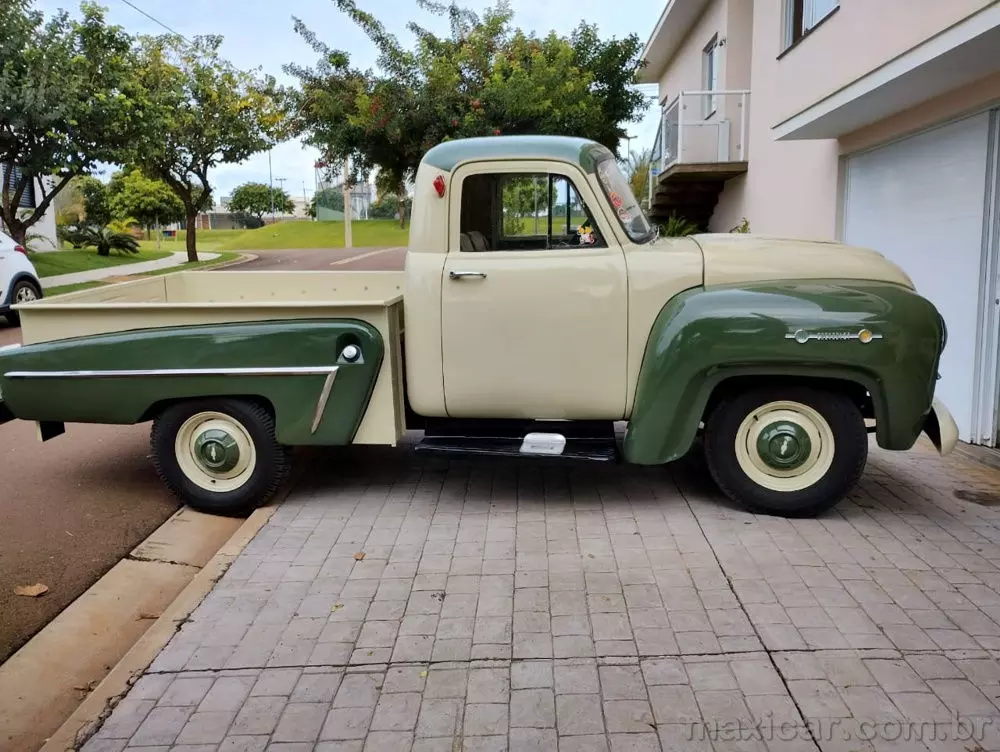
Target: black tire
x,y
259,486
850,451
12,316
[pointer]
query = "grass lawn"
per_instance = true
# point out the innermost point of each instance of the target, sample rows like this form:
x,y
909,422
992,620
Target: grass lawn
x,y
369,233
208,240
63,289
66,262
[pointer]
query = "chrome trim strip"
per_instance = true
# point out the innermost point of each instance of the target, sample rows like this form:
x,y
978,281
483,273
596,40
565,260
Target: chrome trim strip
x,y
258,371
324,397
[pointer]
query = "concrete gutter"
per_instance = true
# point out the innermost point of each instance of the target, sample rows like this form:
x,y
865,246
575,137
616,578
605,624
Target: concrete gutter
x,y
86,719
88,716
43,682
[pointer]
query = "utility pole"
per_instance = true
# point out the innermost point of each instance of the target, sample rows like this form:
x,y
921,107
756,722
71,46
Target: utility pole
x,y
270,184
305,201
348,239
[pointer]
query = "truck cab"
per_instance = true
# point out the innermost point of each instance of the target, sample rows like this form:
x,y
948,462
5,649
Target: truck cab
x,y
538,308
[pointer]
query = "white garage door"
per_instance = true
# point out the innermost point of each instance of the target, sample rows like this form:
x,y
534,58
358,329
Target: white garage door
x,y
922,202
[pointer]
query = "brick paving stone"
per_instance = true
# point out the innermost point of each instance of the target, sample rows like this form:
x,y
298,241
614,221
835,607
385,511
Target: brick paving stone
x,y
396,712
576,678
588,743
485,719
628,716
579,714
532,740
488,685
532,708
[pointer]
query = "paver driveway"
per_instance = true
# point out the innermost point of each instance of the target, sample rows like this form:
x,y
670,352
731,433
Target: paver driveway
x,y
539,606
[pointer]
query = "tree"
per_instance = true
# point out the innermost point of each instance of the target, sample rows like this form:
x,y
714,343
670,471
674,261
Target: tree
x,y
65,104
96,210
328,198
481,79
200,112
256,199
148,201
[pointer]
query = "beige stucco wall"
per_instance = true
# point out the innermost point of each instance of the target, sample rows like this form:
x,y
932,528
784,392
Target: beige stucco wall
x,y
685,69
861,36
792,188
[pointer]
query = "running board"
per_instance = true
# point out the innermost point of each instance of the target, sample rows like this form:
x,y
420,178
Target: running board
x,y
531,445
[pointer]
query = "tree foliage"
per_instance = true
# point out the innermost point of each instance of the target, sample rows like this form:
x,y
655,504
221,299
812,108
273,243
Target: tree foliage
x,y
96,209
482,78
199,112
256,199
65,103
148,201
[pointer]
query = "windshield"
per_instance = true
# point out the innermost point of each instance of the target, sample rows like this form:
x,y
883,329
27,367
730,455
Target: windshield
x,y
626,208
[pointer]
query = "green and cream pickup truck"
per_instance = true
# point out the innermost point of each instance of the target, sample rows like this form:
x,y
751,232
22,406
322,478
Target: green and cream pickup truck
x,y
537,309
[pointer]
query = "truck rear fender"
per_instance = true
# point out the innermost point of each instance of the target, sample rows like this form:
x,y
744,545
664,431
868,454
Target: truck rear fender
x,y
316,376
880,341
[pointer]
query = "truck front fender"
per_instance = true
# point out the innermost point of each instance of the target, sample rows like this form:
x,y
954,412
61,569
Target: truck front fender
x,y
879,336
296,366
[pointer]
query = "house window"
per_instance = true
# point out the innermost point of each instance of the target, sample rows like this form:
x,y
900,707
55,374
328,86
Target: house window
x,y
710,75
801,16
28,197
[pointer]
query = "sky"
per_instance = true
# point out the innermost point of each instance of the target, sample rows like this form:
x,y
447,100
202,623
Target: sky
x,y
259,34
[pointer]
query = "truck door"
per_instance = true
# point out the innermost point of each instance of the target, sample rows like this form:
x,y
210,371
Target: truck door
x,y
534,297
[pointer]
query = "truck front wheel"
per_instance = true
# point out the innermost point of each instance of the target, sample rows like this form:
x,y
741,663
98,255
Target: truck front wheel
x,y
789,451
218,455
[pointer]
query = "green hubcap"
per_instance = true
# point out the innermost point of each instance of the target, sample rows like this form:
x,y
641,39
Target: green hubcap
x,y
216,451
784,445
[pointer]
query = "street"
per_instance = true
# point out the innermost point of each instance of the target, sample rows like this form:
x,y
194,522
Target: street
x,y
74,506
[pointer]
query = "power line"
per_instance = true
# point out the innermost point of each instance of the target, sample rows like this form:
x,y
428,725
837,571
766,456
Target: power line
x,y
154,19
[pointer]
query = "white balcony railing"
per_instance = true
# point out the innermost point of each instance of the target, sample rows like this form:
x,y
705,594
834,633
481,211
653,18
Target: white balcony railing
x,y
702,127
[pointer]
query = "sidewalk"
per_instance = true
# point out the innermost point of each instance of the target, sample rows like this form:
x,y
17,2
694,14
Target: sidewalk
x,y
543,606
92,275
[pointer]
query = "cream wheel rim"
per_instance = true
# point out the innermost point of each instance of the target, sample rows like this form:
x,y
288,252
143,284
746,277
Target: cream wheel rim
x,y
215,452
802,441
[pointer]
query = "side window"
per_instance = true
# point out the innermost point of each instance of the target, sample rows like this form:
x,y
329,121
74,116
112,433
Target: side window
x,y
522,212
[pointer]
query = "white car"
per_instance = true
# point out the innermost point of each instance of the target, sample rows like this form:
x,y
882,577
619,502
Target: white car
x,y
19,281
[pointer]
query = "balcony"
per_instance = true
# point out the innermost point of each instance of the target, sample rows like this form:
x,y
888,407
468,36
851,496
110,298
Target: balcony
x,y
701,143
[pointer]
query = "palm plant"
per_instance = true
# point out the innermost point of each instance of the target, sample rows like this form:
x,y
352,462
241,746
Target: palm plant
x,y
637,171
676,227
106,239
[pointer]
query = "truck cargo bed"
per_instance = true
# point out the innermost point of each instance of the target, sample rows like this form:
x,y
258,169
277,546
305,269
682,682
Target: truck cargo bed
x,y
193,298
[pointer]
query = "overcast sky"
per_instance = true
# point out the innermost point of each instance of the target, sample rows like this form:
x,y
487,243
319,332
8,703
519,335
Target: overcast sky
x,y
259,33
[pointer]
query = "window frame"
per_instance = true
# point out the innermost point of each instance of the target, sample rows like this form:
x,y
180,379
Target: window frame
x,y
793,19
711,60
556,169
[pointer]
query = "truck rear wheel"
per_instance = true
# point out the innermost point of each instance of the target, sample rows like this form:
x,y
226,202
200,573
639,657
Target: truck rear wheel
x,y
788,451
219,455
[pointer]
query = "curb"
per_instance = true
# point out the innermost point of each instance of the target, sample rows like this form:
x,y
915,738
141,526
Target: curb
x,y
97,706
244,258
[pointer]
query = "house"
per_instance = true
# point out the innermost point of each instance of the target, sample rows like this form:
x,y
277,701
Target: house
x,y
876,123
42,234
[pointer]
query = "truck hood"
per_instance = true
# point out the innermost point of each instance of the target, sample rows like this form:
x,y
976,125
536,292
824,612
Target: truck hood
x,y
732,258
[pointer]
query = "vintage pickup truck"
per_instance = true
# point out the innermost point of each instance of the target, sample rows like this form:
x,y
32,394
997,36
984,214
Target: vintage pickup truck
x,y
537,309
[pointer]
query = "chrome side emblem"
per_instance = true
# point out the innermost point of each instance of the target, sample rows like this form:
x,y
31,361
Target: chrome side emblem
x,y
864,336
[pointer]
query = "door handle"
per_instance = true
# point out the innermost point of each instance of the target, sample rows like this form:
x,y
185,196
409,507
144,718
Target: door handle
x,y
464,275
